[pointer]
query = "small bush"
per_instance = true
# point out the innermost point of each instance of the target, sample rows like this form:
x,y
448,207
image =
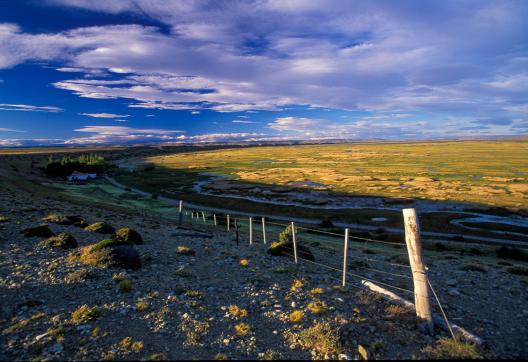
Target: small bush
x,y
474,267
507,252
237,312
297,285
128,235
62,240
517,270
244,262
317,307
100,227
109,242
242,329
296,316
42,231
184,250
448,348
4,219
84,314
316,291
142,305
322,339
125,286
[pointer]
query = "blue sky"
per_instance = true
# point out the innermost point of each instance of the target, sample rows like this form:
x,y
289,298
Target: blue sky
x,y
79,72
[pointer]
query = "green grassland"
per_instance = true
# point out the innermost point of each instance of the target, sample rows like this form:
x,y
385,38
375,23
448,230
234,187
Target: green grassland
x,y
483,172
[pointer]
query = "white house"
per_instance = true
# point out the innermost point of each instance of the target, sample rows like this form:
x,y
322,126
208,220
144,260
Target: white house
x,y
79,176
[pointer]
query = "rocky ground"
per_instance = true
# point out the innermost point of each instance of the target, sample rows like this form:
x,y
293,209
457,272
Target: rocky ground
x,y
211,305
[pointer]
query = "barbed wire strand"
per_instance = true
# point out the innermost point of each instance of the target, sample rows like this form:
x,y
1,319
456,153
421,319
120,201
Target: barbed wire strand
x,y
441,308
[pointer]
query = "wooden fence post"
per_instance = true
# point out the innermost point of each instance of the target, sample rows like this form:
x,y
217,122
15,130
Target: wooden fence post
x,y
414,249
250,231
228,222
214,218
345,253
264,230
294,242
203,216
180,218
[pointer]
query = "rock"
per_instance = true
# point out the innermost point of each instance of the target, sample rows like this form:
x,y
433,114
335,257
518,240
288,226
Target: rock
x,y
128,234
41,230
451,282
453,292
100,227
62,240
125,256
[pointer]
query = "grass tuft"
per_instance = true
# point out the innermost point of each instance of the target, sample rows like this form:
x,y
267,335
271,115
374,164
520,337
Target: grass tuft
x,y
84,314
242,329
448,348
317,307
296,316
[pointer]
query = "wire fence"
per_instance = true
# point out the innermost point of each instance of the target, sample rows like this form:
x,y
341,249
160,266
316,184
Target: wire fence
x,y
381,262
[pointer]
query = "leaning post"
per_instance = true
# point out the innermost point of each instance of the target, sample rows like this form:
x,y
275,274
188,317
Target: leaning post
x,y
414,249
294,242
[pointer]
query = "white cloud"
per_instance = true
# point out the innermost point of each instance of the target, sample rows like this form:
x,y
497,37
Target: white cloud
x,y
242,121
11,130
29,108
105,115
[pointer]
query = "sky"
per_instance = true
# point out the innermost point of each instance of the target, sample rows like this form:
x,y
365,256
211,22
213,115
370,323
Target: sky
x,y
89,72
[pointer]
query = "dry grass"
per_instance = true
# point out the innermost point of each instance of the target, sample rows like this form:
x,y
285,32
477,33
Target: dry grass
x,y
322,339
142,305
77,276
98,258
447,348
184,250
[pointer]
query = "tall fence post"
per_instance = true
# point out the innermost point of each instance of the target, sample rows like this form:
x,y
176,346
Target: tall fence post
x,y
414,249
294,242
203,216
345,253
180,210
214,218
250,231
264,230
228,222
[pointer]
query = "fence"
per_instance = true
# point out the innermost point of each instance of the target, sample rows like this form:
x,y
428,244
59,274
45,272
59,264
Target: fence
x,y
332,251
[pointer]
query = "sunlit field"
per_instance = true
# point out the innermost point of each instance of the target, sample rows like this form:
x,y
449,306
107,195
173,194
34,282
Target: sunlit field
x,y
485,172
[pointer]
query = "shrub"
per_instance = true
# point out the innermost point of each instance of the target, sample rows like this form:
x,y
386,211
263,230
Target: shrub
x,y
296,316
507,252
244,262
474,267
142,305
129,235
237,312
3,219
42,230
322,339
125,286
62,240
448,348
297,284
518,270
100,227
84,314
109,242
242,329
317,307
183,250
315,291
